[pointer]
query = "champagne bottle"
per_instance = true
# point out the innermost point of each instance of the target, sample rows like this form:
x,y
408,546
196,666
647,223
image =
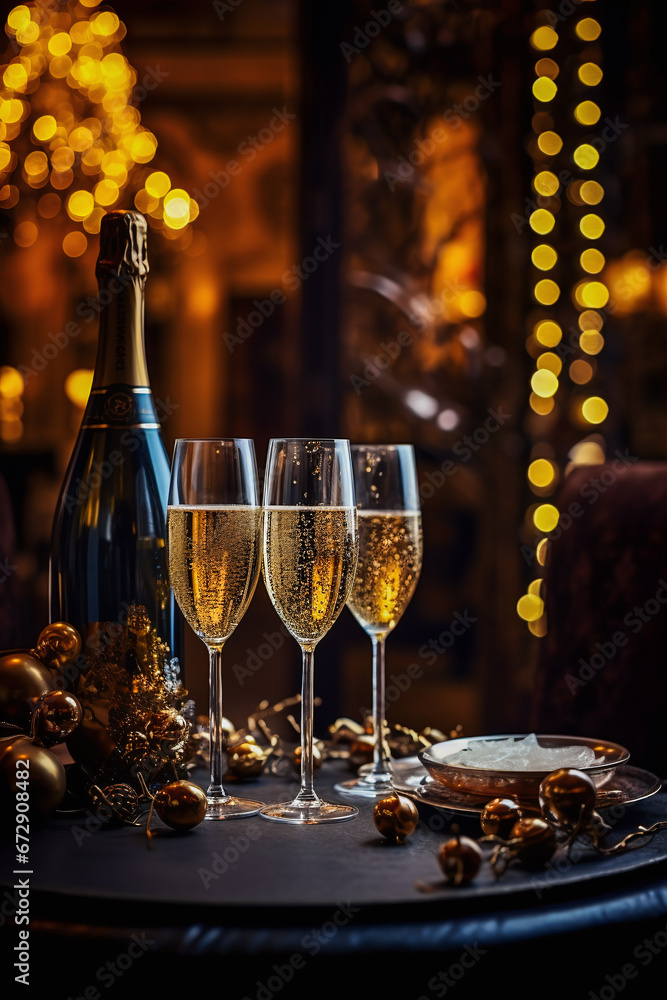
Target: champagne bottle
x,y
108,571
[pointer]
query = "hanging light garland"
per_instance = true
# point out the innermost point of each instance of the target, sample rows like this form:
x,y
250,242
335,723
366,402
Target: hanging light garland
x,y
71,138
550,392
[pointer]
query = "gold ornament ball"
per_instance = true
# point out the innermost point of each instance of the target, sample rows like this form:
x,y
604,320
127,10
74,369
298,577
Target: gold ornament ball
x,y
536,841
23,680
567,797
58,645
56,717
317,758
499,816
181,805
396,817
246,760
45,776
460,859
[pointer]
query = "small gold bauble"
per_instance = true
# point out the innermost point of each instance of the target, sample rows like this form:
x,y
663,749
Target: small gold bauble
x,y
567,798
45,776
246,760
23,679
181,805
58,645
56,717
499,816
396,817
535,841
460,859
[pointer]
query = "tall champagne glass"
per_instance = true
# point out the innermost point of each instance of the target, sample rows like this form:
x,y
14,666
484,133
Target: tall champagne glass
x,y
214,550
310,556
390,558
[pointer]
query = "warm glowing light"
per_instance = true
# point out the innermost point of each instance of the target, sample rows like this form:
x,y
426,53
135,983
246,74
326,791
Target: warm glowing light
x,y
49,205
79,205
62,158
591,226
11,110
546,292
18,18
591,342
11,382
539,628
535,586
587,113
471,303
595,295
591,192
541,221
588,29
145,202
587,453
550,143
541,472
590,74
592,261
158,183
581,372
60,66
105,23
35,163
75,243
106,192
143,147
60,43
544,89
28,34
45,128
530,607
548,333
25,234
540,404
15,77
550,361
9,195
586,156
595,409
546,517
544,257
541,551
77,386
544,38
547,67
5,156
544,383
546,183
590,320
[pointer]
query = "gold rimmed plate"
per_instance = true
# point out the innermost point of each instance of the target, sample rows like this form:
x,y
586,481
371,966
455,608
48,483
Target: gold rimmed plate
x,y
441,763
629,784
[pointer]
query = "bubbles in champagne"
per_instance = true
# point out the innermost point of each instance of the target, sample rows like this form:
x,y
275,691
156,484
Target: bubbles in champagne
x,y
390,558
309,562
214,565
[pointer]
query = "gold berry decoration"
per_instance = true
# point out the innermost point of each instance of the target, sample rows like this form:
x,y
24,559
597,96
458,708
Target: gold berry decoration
x,y
58,645
56,717
396,817
567,798
460,859
181,805
499,816
246,760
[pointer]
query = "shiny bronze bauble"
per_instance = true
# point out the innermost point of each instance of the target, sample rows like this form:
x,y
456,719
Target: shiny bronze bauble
x,y
121,800
56,717
533,841
396,817
460,859
45,777
317,759
567,798
181,805
499,816
23,680
246,760
167,732
58,645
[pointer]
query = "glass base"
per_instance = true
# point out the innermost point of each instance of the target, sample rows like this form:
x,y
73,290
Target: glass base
x,y
316,812
229,807
366,787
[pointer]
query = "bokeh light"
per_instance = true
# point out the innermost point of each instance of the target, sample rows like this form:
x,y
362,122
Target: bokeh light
x,y
586,156
545,517
595,409
544,257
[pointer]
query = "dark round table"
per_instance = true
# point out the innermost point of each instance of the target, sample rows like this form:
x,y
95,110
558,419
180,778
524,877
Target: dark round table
x,y
258,909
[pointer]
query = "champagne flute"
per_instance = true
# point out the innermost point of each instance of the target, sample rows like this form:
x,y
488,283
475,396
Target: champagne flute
x,y
214,539
390,558
310,556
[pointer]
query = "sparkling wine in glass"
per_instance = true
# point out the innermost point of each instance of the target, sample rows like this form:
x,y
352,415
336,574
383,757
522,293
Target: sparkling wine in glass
x,y
309,561
389,564
214,550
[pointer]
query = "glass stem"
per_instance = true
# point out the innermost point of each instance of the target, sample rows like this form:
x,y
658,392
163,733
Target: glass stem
x,y
215,789
306,792
381,765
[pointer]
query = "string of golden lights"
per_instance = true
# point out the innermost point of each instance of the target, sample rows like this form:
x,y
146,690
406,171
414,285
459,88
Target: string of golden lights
x,y
71,138
589,295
